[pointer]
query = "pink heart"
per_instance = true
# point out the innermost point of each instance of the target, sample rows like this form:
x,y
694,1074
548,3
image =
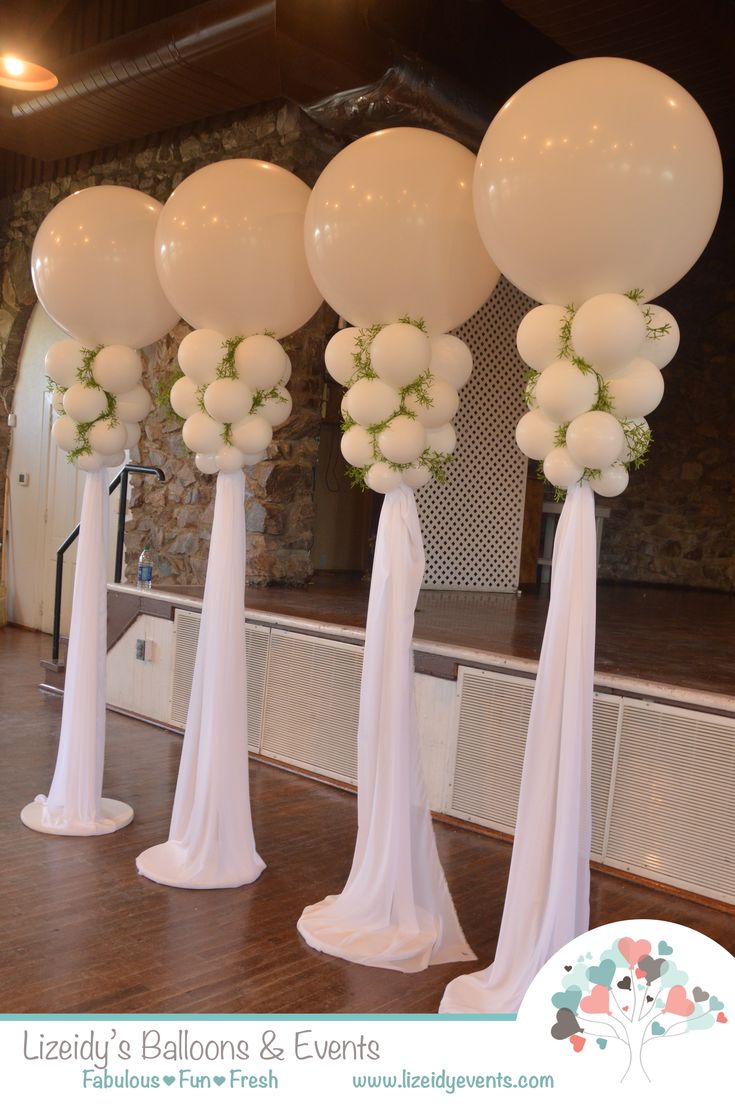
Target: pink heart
x,y
578,1043
639,973
632,950
678,1003
721,1018
597,1001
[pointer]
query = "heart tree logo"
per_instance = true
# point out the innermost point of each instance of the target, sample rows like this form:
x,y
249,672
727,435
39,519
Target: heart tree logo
x,y
628,999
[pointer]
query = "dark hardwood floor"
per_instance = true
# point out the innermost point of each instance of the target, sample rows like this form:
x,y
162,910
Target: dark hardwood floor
x,y
81,931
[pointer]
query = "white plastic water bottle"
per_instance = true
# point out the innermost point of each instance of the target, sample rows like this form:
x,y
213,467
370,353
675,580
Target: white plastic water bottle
x,y
145,569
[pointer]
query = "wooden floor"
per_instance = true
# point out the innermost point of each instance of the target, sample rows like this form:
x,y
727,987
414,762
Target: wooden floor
x,y
666,635
81,931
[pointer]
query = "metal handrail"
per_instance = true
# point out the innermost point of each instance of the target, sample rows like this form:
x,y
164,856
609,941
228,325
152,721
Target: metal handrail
x,y
120,480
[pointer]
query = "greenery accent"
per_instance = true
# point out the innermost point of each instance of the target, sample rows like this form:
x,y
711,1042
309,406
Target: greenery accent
x,y
85,375
263,394
654,333
639,438
560,437
635,294
163,393
530,379
361,358
226,369
592,474
604,396
566,352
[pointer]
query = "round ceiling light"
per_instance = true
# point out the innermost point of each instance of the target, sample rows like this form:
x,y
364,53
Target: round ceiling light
x,y
26,76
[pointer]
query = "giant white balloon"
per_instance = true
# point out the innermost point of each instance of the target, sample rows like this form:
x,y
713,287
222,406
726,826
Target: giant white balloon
x,y
93,268
230,249
601,175
390,231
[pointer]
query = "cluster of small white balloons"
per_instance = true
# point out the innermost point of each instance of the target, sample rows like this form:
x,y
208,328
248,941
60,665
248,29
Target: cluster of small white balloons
x,y
232,395
100,402
596,375
402,393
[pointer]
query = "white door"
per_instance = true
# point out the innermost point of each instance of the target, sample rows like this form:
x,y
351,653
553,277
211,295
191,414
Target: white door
x,y
45,492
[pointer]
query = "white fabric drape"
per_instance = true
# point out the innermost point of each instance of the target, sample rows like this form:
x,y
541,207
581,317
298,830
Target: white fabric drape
x,y
547,901
211,841
395,910
75,806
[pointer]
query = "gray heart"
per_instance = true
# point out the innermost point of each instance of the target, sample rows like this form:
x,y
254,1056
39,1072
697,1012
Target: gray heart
x,y
566,1025
699,995
652,968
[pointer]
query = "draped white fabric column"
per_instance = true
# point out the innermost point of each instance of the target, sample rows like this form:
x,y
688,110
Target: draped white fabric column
x,y
395,910
547,901
211,841
75,806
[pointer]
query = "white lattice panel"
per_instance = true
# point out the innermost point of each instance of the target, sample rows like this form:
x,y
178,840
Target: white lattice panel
x,y
185,648
472,524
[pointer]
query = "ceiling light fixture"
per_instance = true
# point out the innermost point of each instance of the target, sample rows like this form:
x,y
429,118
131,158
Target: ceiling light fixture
x,y
25,76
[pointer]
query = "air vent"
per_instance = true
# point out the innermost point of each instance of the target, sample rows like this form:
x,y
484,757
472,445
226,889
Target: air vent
x,y
673,816
312,704
186,629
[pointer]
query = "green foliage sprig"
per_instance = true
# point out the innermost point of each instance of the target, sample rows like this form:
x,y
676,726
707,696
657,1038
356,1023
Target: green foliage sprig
x,y
566,351
262,395
226,369
604,401
530,380
635,294
85,375
639,439
163,393
654,333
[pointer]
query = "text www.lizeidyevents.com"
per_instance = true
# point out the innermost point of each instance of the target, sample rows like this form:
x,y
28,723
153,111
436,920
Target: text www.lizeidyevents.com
x,y
451,1083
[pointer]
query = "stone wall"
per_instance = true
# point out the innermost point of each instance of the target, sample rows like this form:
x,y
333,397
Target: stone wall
x,y
676,522
175,518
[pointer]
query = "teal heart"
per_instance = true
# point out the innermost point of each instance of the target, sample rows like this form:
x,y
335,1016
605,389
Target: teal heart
x,y
567,1000
671,976
589,956
602,973
169,1079
664,949
657,1030
705,1022
577,977
640,986
602,1042
660,1004
715,1004
219,1079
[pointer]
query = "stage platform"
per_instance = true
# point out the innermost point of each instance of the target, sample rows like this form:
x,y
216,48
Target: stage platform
x,y
671,645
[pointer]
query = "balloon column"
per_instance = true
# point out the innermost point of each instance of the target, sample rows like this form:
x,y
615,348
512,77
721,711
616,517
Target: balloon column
x,y
92,266
597,187
230,255
392,245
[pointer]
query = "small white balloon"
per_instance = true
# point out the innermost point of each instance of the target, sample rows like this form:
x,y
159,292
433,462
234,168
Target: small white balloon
x,y
382,478
442,439
227,400
595,439
185,397
400,353
85,404
608,330
657,347
357,447
62,361
277,409
563,391
560,468
200,355
611,481
372,401
206,463
229,458
539,338
259,361
91,462
252,434
57,401
403,440
536,434
202,434
133,406
639,391
451,359
416,476
64,433
132,434
636,433
443,403
117,369
107,437
339,356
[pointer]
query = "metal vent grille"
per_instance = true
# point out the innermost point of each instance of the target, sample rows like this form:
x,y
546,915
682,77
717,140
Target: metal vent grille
x,y
312,704
673,815
186,630
472,524
491,739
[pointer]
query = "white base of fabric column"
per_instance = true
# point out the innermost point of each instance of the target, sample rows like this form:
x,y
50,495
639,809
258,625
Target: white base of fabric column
x,y
113,815
395,911
211,842
547,901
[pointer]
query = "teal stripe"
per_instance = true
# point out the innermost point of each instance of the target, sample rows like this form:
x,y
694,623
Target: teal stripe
x,y
259,1017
